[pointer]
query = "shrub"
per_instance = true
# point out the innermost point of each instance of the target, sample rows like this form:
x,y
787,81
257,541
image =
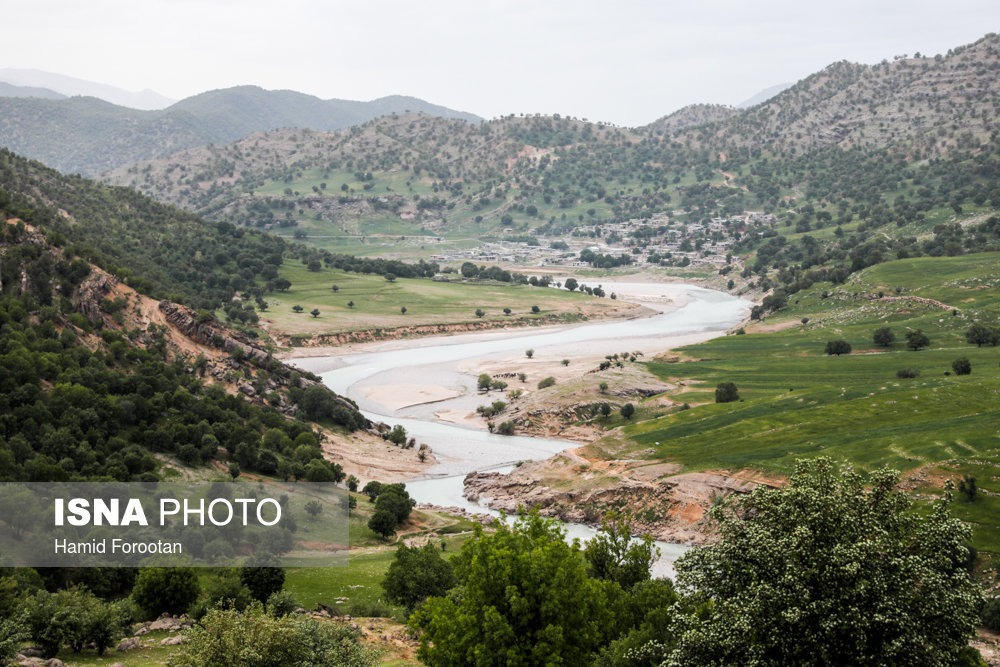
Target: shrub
x,y
907,373
415,574
165,589
961,366
628,410
227,637
281,603
383,522
74,617
506,428
547,382
726,392
838,347
991,614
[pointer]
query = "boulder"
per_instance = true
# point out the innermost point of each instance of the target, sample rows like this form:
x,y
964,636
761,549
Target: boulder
x,y
173,641
129,644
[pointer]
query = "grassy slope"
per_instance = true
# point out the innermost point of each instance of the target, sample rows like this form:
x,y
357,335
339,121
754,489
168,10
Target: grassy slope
x,y
798,402
378,302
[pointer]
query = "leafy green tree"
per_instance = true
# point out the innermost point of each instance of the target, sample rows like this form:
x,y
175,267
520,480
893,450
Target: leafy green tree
x,y
394,498
536,309
480,312
917,339
884,337
415,574
314,312
979,334
571,284
170,589
524,598
961,366
263,577
834,569
297,308
613,555
402,310
628,410
483,382
529,353
383,522
726,392
838,347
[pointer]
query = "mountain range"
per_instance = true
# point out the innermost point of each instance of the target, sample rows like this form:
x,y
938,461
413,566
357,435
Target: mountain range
x,y
89,135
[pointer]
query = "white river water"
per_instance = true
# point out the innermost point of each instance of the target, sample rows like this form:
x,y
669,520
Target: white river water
x,y
686,314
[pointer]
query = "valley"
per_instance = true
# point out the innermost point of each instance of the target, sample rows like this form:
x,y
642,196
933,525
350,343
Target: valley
x,y
665,331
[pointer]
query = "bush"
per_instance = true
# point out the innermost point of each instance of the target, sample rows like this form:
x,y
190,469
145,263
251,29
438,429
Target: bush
x,y
415,574
506,428
838,347
281,603
726,392
991,614
165,589
547,382
74,617
961,366
628,410
12,633
907,373
230,638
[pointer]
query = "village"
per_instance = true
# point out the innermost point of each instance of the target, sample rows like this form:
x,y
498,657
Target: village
x,y
654,241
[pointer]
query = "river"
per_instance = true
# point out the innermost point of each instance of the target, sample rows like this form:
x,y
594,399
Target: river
x,y
685,314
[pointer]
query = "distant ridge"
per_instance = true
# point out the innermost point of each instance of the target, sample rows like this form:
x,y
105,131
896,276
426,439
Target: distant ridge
x,y
764,95
70,86
88,135
10,90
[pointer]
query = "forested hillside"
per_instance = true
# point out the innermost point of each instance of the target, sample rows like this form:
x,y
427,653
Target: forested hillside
x,y
101,381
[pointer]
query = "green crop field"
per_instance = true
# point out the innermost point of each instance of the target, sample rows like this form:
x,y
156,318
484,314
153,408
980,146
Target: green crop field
x,y
378,302
798,402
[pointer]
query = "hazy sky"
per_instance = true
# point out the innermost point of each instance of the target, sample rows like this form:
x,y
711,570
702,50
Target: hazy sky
x,y
627,62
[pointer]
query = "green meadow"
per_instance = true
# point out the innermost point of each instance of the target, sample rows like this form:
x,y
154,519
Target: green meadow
x,y
798,402
378,302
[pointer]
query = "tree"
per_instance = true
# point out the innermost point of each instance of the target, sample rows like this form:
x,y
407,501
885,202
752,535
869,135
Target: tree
x,y
833,569
524,599
170,589
390,277
605,409
314,312
613,555
571,284
838,347
968,488
917,339
628,410
536,309
483,382
350,304
529,353
507,311
402,310
726,392
297,308
884,337
335,287
383,522
961,366
262,577
980,334
415,574
282,284
313,508
603,386
480,312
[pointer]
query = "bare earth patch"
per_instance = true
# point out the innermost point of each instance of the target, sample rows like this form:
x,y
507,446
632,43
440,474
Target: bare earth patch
x,y
398,396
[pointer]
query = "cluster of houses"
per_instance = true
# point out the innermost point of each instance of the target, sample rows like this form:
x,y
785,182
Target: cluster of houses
x,y
650,241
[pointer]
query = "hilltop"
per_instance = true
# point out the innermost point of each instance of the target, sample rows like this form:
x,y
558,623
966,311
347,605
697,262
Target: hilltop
x,y
88,135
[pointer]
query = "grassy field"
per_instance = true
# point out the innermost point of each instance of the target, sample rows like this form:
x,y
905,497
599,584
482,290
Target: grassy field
x,y
798,402
378,302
